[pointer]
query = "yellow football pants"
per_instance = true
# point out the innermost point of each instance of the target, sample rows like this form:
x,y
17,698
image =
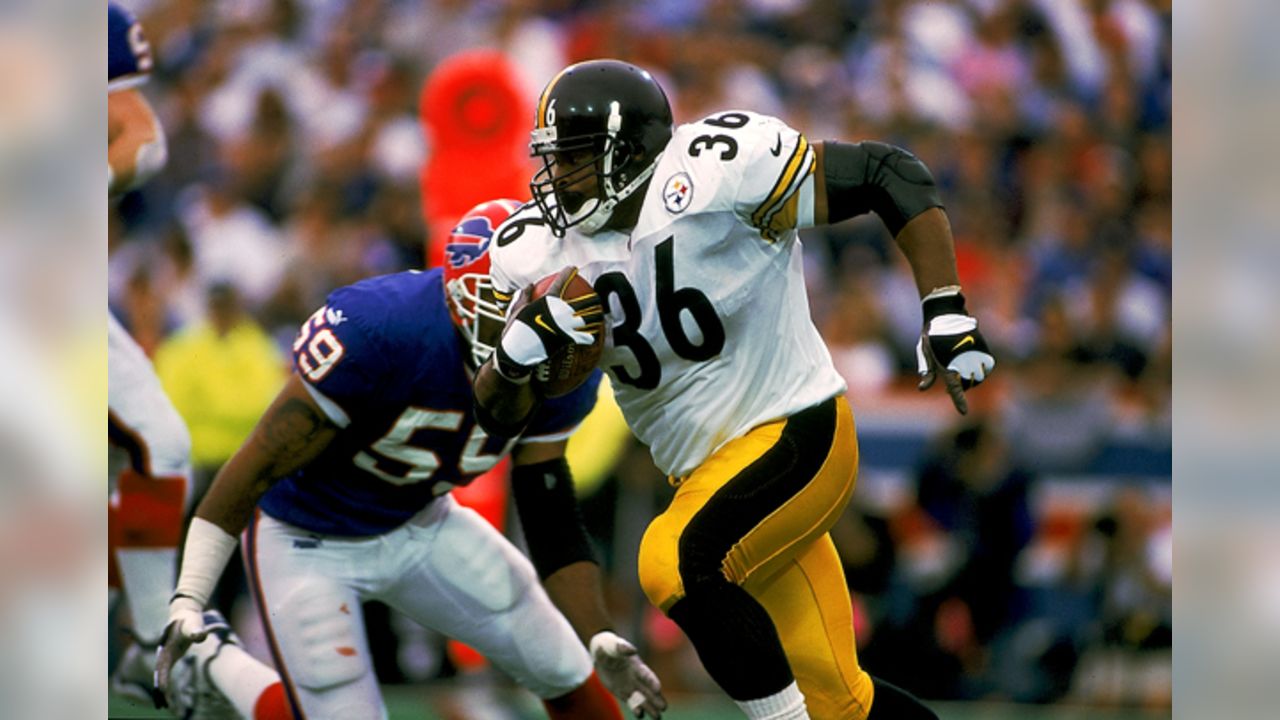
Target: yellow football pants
x,y
769,497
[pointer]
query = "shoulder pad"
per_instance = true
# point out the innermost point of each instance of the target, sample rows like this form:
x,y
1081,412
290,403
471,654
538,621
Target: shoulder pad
x,y
522,244
733,160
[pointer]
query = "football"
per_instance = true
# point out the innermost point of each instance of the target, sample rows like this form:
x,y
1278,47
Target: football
x,y
564,371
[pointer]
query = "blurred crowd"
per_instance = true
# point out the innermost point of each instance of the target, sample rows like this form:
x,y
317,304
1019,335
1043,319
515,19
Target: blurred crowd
x,y
298,144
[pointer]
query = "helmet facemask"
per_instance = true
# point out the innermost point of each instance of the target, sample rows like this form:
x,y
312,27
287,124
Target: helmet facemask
x,y
610,159
476,314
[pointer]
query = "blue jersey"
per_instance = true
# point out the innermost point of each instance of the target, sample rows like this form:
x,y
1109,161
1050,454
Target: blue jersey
x,y
384,360
128,53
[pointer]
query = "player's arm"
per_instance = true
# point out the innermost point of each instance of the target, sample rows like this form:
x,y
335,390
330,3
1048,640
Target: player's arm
x,y
851,179
504,395
292,432
543,489
136,147
561,553
503,406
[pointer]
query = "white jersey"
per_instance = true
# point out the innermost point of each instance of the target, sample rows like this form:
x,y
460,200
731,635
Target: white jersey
x,y
709,328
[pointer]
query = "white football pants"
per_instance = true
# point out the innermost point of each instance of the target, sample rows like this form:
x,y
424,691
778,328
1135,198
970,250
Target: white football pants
x,y
446,568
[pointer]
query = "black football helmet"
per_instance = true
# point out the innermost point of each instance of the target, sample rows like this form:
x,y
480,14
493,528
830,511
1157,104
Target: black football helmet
x,y
609,118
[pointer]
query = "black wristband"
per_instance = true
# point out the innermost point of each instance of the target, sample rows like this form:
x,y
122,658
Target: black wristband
x,y
945,305
508,368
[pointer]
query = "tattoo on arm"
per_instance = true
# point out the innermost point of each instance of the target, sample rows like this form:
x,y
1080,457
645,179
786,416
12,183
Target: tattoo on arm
x,y
292,435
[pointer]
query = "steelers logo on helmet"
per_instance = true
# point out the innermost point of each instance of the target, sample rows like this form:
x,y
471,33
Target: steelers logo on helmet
x,y
677,193
467,288
601,126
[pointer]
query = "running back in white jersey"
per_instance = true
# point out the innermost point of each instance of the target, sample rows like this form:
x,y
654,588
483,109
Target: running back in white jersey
x,y
709,326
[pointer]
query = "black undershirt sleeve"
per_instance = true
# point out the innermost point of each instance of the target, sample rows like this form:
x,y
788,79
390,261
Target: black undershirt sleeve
x,y
549,515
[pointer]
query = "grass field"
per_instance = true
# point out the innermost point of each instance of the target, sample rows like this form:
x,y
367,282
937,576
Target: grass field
x,y
427,703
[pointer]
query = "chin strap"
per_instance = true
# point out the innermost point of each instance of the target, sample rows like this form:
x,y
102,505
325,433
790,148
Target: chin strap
x,y
598,217
601,214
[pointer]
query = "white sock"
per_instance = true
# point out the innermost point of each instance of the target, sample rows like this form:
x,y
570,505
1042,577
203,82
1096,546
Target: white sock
x,y
237,674
147,577
786,704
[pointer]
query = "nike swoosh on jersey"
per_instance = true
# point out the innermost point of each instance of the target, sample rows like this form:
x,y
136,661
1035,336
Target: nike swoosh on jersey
x,y
968,340
777,147
538,319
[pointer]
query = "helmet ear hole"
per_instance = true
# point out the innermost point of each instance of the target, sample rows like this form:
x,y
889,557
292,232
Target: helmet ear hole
x,y
624,161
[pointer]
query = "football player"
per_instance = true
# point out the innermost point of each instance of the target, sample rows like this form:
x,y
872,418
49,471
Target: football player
x,y
690,239
151,450
136,147
344,489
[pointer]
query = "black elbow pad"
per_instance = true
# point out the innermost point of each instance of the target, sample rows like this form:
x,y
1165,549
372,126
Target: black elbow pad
x,y
876,177
549,516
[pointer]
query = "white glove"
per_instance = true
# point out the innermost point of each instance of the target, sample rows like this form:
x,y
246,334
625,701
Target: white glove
x,y
186,627
951,345
539,329
627,677
205,555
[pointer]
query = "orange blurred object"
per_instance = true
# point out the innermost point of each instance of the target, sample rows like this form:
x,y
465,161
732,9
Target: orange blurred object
x,y
477,121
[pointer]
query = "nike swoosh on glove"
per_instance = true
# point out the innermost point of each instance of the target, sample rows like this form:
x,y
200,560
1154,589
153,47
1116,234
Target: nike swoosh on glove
x,y
539,329
951,344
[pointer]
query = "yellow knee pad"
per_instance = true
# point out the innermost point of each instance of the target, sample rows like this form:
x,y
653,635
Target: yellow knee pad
x,y
659,564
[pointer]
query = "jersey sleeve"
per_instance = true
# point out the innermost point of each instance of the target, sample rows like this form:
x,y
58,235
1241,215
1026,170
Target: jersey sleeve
x,y
517,252
128,52
504,287
776,191
557,418
340,360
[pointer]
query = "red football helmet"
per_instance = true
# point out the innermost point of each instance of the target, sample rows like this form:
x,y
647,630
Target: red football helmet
x,y
467,289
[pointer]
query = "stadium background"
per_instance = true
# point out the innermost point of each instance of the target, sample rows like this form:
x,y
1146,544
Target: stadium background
x,y
1021,554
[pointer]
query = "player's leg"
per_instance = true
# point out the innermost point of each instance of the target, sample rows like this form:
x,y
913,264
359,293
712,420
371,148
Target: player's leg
x,y
250,686
821,653
808,599
218,680
150,489
461,577
306,593
748,511
809,603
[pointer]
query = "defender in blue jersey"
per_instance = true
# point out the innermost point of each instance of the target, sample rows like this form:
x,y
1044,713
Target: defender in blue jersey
x,y
350,471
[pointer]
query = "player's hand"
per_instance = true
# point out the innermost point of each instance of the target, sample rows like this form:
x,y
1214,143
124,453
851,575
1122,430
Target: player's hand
x,y
186,626
951,345
538,329
627,677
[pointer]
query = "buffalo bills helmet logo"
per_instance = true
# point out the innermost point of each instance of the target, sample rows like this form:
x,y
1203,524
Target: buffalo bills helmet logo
x,y
475,227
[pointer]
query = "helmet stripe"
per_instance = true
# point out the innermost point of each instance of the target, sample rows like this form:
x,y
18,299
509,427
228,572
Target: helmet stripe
x,y
546,96
783,186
